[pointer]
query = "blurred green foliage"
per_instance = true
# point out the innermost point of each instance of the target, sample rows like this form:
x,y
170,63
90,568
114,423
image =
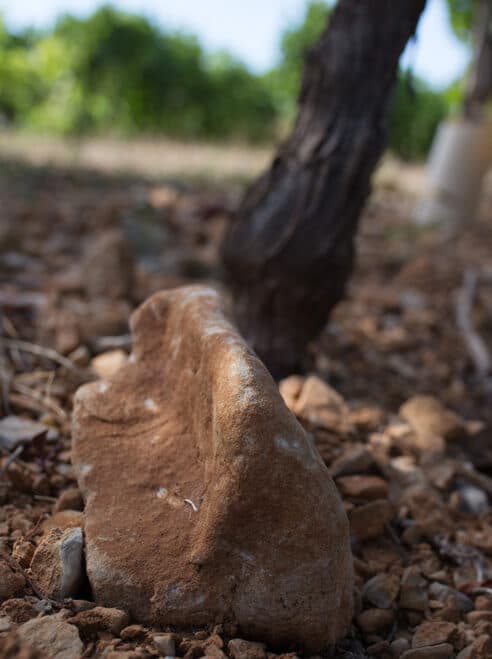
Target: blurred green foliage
x,y
415,115
462,16
118,73
285,79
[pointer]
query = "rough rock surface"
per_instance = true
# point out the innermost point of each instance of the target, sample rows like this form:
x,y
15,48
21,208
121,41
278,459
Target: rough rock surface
x,y
56,566
53,639
205,500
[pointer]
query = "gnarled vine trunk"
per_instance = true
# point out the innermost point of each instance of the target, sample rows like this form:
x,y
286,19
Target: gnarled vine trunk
x,y
290,250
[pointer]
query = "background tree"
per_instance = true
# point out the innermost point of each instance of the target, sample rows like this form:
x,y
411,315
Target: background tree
x,y
472,23
290,251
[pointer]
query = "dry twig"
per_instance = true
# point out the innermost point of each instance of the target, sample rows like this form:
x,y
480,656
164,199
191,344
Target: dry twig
x,y
39,351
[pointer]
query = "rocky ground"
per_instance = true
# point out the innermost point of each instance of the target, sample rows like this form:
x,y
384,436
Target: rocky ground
x,y
398,403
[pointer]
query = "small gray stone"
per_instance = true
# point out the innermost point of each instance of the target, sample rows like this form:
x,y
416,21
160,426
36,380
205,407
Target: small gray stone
x,y
165,645
441,592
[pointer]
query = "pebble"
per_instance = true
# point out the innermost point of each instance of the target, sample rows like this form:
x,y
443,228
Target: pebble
x,y
363,487
470,500
355,460
240,649
442,593
100,618
373,620
483,603
215,652
133,632
413,593
441,651
23,551
165,645
429,418
107,363
382,590
368,521
381,649
399,646
479,616
52,638
69,499
435,633
81,605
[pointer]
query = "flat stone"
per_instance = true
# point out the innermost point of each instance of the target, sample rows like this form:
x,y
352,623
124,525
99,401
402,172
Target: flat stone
x,y
434,632
478,616
57,564
382,590
363,487
355,460
52,638
442,651
133,633
373,620
233,513
368,521
98,619
429,418
322,405
240,649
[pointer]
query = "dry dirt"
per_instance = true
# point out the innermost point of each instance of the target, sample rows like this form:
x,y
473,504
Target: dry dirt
x,y
416,481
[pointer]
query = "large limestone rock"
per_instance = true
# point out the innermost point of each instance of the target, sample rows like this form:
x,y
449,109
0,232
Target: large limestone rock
x,y
205,499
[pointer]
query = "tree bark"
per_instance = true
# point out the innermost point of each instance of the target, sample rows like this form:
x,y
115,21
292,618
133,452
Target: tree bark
x,y
480,80
290,250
